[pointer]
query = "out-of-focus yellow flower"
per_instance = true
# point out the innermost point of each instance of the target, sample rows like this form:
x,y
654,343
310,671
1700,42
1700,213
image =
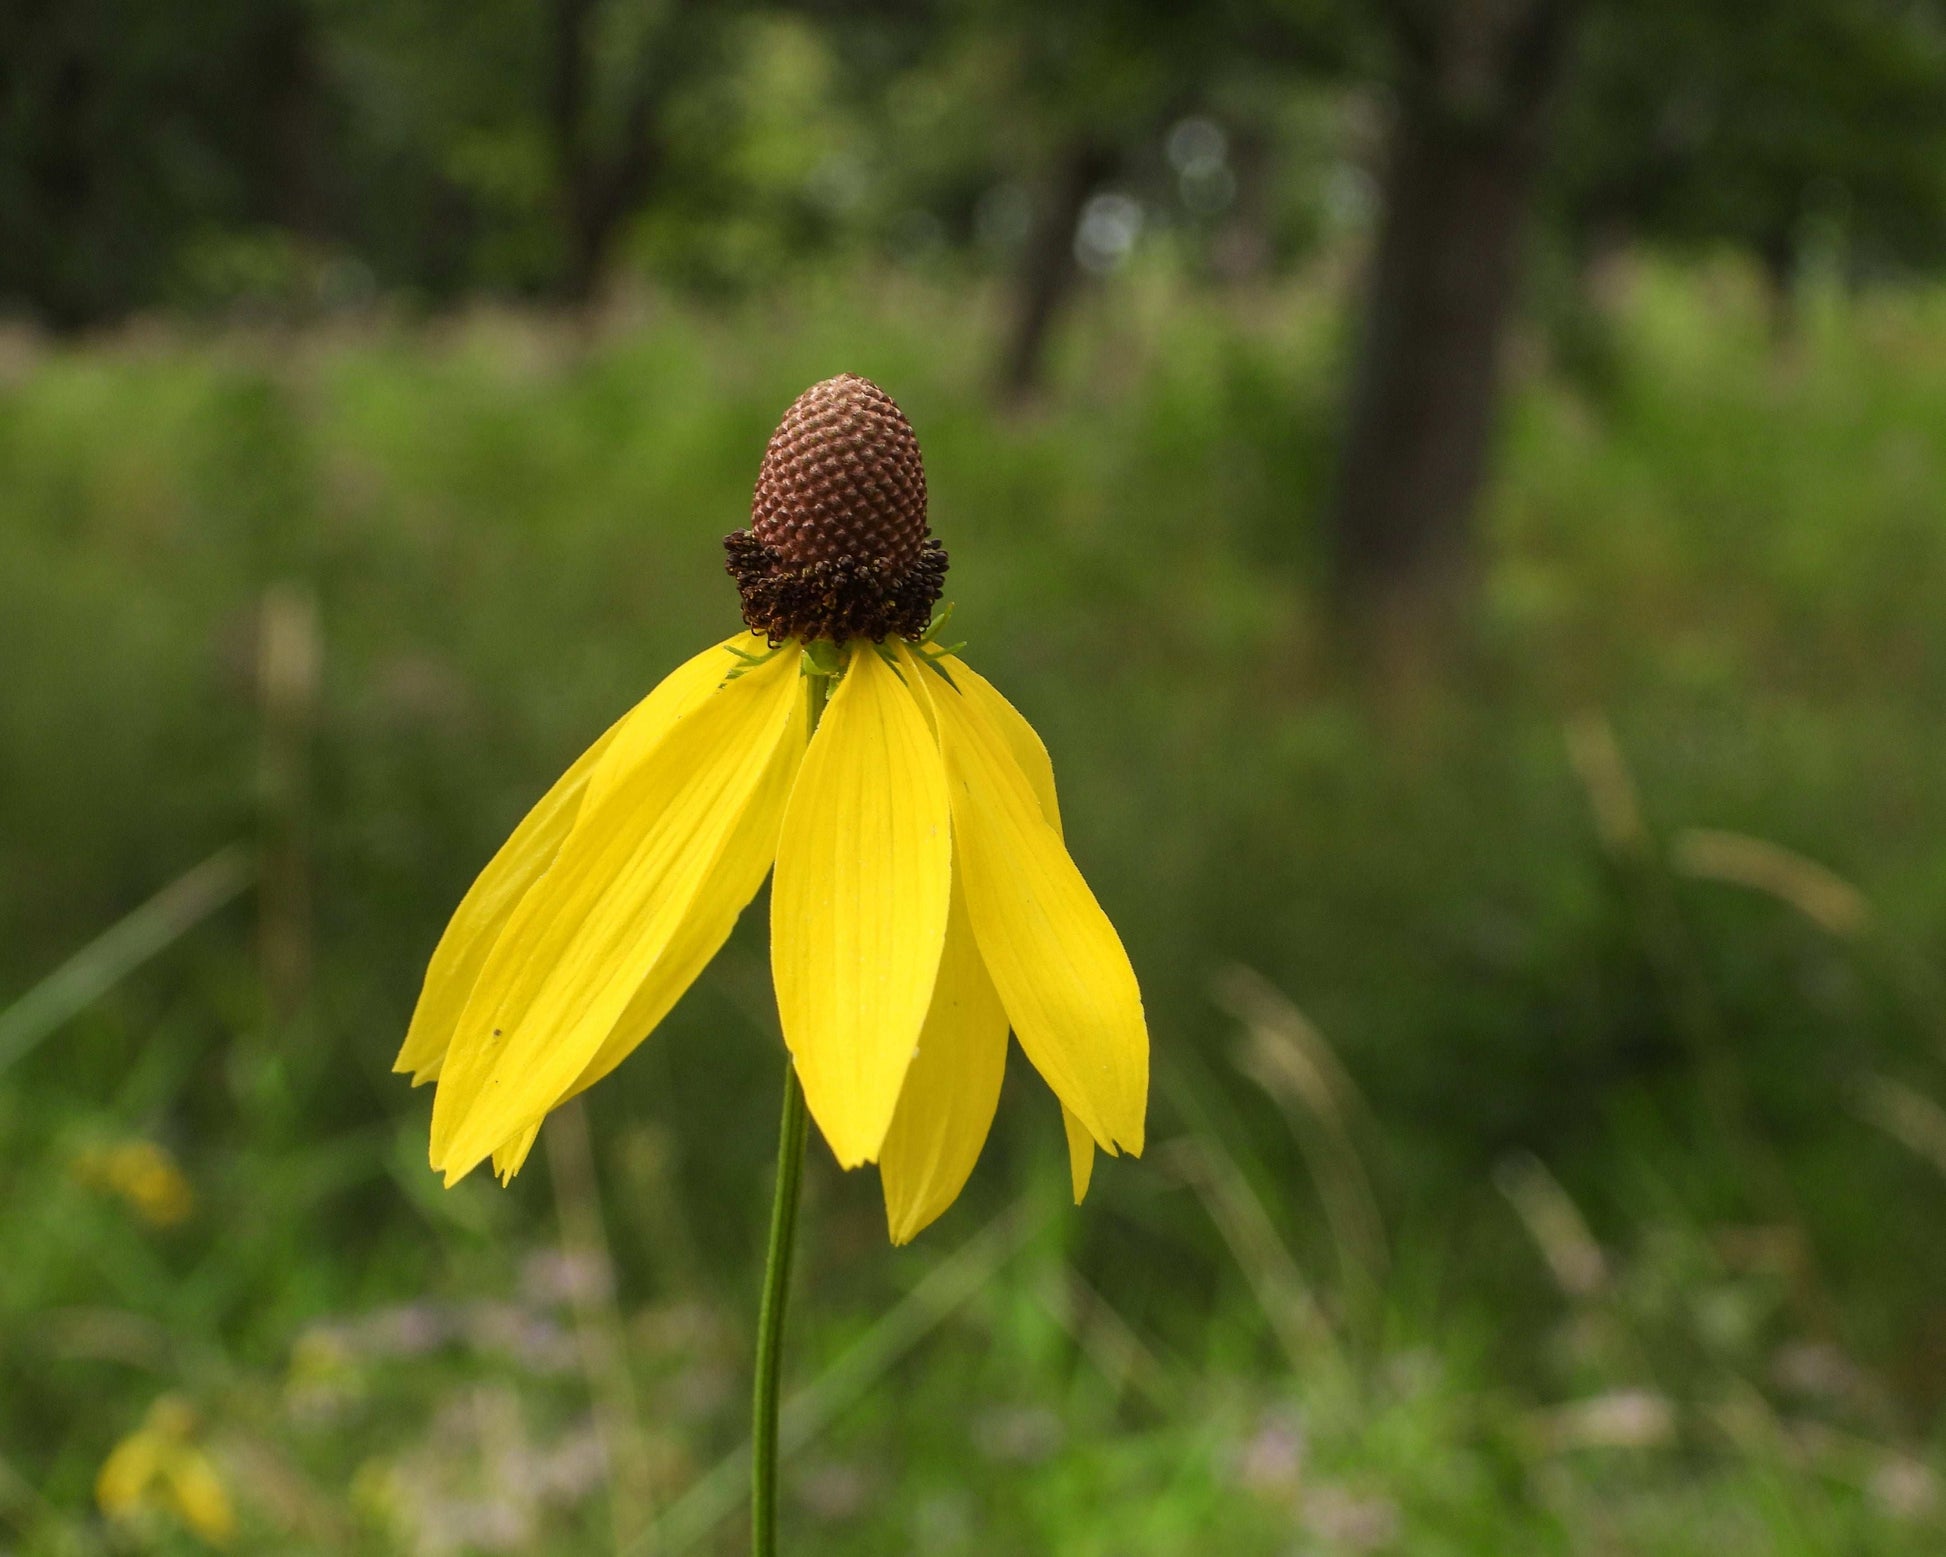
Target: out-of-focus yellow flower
x,y
143,1174
923,901
160,1469
375,1491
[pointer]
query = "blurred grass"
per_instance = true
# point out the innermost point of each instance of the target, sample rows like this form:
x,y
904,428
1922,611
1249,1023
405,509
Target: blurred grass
x,y
1725,548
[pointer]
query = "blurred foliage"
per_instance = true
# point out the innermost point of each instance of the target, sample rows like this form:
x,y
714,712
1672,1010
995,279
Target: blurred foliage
x,y
309,155
1582,1202
1799,131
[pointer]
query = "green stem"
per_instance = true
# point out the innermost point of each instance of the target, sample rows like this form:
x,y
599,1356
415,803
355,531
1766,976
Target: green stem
x,y
770,1320
777,1275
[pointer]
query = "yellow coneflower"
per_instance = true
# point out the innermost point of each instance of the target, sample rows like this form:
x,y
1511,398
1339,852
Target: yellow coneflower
x,y
144,1175
160,1468
923,902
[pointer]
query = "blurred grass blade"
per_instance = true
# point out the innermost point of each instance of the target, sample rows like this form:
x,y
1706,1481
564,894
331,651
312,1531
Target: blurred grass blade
x,y
1596,756
725,1487
105,961
1286,1055
1110,1342
1202,1160
1911,1118
1555,1224
290,654
1283,1296
599,1332
1817,892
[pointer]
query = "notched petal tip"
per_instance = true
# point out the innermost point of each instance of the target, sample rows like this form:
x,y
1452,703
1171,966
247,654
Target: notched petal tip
x,y
901,1230
951,1090
1081,1153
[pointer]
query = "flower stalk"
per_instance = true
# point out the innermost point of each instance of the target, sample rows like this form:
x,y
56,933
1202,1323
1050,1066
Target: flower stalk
x,y
777,1271
770,1320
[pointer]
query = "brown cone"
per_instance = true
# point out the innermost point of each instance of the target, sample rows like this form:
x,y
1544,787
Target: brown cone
x,y
842,478
838,545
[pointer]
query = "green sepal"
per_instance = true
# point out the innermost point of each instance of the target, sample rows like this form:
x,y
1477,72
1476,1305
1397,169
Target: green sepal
x,y
750,661
822,657
938,670
940,618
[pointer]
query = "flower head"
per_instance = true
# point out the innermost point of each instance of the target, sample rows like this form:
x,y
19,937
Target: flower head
x,y
144,1175
838,547
922,902
161,1469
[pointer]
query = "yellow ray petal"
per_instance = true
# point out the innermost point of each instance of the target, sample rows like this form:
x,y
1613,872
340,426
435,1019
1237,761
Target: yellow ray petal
x,y
601,922
525,856
745,861
859,904
1023,741
1028,750
951,1089
741,870
1081,1153
674,696
1056,960
484,911
510,1156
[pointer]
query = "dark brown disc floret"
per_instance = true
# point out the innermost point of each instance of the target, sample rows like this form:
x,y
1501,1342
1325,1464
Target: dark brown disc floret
x,y
838,546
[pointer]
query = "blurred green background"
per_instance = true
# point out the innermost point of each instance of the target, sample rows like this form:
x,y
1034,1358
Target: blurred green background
x,y
1460,489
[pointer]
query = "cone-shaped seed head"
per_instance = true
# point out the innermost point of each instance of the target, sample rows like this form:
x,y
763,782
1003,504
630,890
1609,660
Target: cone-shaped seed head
x,y
838,545
842,478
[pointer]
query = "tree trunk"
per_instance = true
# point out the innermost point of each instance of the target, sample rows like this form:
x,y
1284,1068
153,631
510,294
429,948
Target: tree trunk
x,y
1464,151
601,183
1777,254
1245,244
1048,269
290,71
582,240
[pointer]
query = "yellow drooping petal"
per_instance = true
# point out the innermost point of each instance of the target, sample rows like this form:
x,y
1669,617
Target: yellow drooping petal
x,y
1081,1153
674,696
859,905
1056,960
510,1156
525,856
633,874
1023,741
951,1089
1030,753
484,911
745,862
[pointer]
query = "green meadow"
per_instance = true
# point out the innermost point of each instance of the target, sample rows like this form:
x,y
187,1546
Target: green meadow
x,y
1548,1136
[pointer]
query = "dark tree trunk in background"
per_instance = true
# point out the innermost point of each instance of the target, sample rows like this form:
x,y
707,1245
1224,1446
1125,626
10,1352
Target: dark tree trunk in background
x,y
600,186
51,251
294,78
1777,254
1465,148
1244,246
583,232
1048,269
